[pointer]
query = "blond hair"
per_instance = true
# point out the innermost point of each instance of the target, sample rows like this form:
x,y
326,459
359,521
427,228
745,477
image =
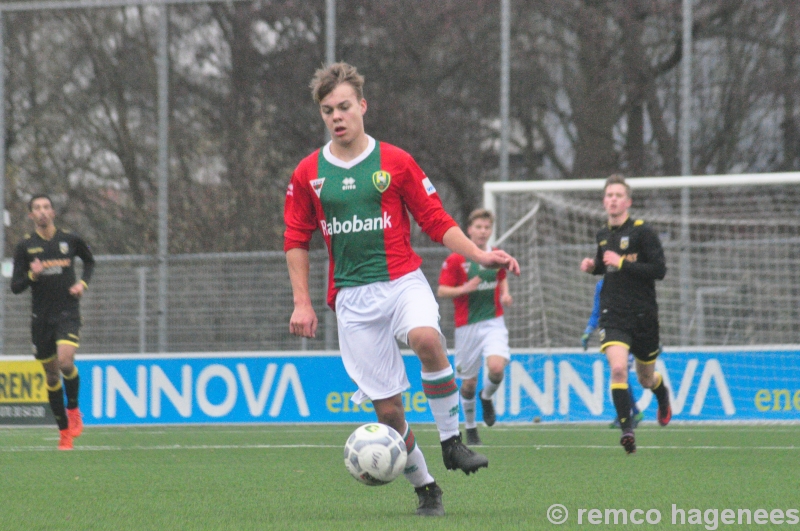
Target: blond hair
x,y
327,78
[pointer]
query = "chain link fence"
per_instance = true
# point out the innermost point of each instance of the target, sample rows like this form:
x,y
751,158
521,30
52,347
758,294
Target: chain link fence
x,y
216,302
237,302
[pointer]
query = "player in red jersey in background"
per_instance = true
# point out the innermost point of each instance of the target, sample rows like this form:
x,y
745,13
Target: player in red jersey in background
x,y
358,192
479,295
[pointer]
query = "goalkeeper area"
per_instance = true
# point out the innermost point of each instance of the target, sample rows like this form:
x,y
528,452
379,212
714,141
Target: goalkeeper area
x,y
731,244
292,477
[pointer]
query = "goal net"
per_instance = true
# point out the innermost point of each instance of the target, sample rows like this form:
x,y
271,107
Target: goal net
x,y
732,245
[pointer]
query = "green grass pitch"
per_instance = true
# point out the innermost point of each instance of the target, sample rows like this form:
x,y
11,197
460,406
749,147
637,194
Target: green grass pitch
x,y
293,478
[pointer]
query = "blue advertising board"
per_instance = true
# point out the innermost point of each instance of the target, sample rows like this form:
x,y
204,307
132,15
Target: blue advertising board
x,y
708,385
300,387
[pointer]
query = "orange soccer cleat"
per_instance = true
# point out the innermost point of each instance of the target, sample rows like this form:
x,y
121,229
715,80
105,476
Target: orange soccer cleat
x,y
75,422
65,441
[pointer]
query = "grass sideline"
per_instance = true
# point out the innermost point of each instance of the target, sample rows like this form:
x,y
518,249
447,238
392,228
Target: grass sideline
x,y
293,478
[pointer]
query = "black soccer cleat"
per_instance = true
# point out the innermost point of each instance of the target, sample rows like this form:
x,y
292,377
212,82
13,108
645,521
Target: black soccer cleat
x,y
457,456
473,439
430,500
489,417
628,441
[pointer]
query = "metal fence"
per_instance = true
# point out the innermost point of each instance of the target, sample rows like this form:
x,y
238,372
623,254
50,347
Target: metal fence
x,y
216,302
236,302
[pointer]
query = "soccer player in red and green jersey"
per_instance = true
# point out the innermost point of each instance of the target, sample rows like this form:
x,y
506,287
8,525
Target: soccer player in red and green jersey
x,y
358,192
479,295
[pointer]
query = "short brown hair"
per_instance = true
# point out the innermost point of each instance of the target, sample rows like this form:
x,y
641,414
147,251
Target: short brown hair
x,y
617,178
479,213
329,77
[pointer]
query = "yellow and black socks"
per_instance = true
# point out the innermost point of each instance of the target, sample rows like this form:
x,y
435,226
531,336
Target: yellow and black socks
x,y
659,389
622,403
71,384
55,395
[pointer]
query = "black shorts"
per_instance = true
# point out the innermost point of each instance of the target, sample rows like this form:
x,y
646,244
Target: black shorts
x,y
639,335
48,332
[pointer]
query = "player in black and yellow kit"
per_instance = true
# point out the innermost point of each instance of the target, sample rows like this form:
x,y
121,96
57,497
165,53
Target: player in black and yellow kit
x,y
630,256
45,261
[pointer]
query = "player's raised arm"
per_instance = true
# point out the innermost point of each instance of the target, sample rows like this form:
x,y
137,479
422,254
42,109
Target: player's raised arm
x,y
451,292
455,240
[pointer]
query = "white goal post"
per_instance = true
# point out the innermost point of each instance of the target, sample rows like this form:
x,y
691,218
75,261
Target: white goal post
x,y
732,244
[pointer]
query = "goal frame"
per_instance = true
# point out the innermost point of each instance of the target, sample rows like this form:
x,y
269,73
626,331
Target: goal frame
x,y
493,190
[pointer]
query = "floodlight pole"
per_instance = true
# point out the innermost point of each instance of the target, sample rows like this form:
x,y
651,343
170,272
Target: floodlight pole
x,y
163,175
2,178
505,90
330,58
686,170
330,31
505,84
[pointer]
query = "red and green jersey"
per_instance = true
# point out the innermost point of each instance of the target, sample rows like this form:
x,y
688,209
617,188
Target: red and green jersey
x,y
481,304
362,207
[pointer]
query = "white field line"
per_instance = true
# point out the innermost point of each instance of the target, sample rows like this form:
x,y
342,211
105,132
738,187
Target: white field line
x,y
602,428
169,447
195,447
654,428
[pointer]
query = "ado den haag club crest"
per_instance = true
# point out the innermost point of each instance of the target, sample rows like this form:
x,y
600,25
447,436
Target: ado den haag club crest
x,y
624,242
63,247
381,180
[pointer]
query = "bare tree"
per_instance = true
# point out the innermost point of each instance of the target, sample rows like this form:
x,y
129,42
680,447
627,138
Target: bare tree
x,y
595,89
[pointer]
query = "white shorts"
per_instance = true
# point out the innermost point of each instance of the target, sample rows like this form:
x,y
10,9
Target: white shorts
x,y
476,341
371,319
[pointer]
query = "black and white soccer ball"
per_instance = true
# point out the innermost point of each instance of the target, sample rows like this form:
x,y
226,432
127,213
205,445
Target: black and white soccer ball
x,y
375,454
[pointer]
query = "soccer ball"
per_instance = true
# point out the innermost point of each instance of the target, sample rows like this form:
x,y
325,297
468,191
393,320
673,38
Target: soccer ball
x,y
375,454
